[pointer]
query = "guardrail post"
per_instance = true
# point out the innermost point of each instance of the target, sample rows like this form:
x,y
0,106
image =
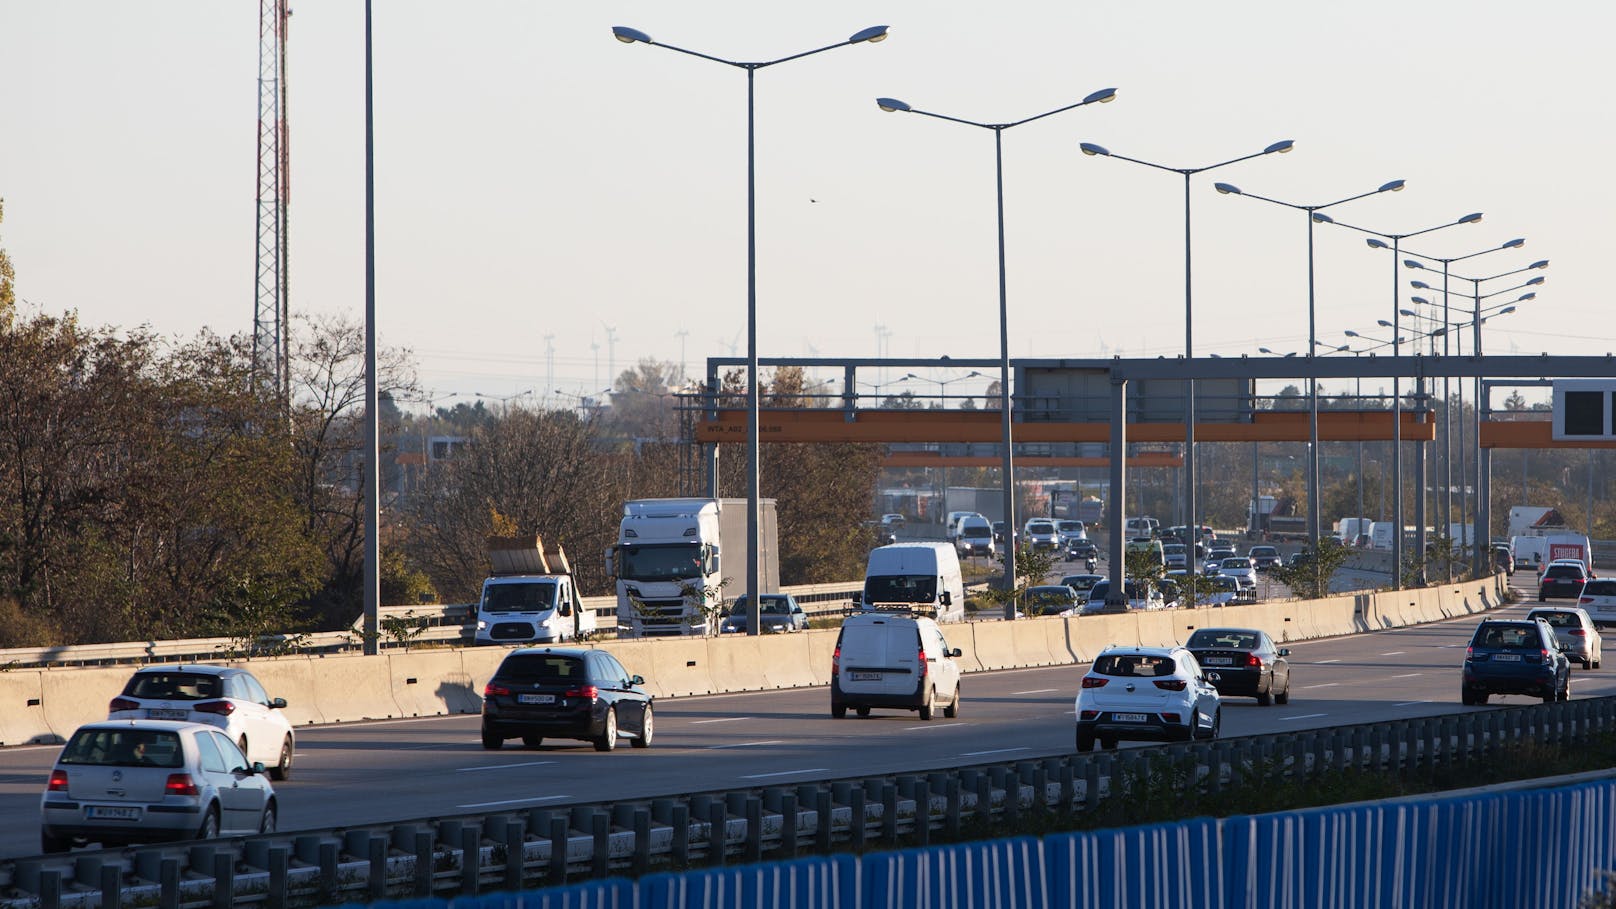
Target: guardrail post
x,y
920,794
889,811
600,830
1091,784
822,820
224,879
560,826
1040,789
50,888
952,800
515,853
788,824
717,832
471,859
112,887
642,841
278,862
168,885
859,818
1068,789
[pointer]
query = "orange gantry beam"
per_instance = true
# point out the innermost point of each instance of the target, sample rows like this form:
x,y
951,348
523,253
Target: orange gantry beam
x,y
729,426
933,459
1528,434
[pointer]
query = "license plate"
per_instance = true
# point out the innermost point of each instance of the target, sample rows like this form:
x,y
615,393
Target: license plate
x,y
1219,661
110,813
1507,657
156,714
1128,717
866,676
535,699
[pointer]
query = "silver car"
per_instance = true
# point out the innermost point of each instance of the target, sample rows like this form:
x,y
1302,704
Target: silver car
x,y
1575,631
127,781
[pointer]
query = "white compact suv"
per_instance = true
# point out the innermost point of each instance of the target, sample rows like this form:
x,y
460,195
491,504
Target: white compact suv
x,y
1151,694
224,697
892,659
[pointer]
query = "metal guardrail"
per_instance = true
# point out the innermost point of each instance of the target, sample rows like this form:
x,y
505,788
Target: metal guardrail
x,y
515,850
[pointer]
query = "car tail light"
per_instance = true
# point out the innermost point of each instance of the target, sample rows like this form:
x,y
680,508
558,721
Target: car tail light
x,y
222,708
1094,681
836,661
924,668
123,703
493,688
1578,633
1170,684
583,691
1086,715
58,781
1169,717
1254,661
180,784
1585,601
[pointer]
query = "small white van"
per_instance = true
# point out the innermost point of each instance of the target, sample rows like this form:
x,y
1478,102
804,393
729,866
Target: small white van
x,y
951,529
892,660
914,577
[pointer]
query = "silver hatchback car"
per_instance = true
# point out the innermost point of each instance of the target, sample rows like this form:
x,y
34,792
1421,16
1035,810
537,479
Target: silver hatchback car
x,y
127,781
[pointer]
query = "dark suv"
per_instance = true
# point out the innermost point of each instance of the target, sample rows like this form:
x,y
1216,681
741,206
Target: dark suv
x,y
1561,580
567,693
1515,657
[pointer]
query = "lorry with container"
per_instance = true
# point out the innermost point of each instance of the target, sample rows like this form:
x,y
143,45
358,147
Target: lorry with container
x,y
918,577
530,596
1570,546
676,561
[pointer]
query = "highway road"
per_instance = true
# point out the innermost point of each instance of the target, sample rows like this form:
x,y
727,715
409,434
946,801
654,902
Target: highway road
x,y
394,770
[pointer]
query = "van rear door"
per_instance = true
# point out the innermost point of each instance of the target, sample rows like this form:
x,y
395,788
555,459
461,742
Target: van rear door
x,y
879,656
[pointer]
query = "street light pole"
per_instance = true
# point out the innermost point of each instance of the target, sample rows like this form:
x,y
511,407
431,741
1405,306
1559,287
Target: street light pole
x,y
893,105
372,493
1191,520
871,35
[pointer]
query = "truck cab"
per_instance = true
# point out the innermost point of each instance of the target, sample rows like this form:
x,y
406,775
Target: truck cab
x,y
530,596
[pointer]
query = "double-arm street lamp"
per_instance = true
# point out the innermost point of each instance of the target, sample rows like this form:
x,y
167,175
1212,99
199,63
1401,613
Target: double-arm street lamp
x,y
1312,338
1089,148
871,35
893,105
1377,240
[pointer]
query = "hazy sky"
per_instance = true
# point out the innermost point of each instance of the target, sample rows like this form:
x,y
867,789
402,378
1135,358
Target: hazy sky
x,y
536,177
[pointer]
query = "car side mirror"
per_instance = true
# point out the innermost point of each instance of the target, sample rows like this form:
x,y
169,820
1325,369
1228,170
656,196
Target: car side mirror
x,y
956,652
564,610
278,703
636,680
257,768
857,598
1284,651
945,598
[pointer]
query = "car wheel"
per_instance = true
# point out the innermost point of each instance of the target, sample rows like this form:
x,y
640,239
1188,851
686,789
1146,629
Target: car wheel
x,y
1266,698
838,711
1085,742
1541,598
242,744
532,741
1596,664
283,768
608,738
1284,697
210,824
647,729
952,710
1466,698
492,741
926,710
1108,742
863,711
266,824
52,844
1565,692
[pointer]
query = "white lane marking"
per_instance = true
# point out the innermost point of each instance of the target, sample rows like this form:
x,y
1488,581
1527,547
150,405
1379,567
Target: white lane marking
x,y
1036,691
537,798
994,751
1322,662
1305,716
1406,675
725,719
1323,685
934,726
503,766
1395,653
1461,644
1408,703
764,776
745,745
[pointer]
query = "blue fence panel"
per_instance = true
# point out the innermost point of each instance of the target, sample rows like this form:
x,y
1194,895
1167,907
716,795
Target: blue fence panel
x,y
613,893
1160,865
823,882
998,874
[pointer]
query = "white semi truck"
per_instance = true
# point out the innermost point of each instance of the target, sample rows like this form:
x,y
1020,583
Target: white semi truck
x,y
530,596
677,561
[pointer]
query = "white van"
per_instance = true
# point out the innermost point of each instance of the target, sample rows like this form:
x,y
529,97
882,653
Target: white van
x,y
951,529
914,576
1141,527
888,659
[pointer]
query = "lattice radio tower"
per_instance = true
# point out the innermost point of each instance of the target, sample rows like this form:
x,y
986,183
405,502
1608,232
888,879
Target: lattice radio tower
x,y
271,323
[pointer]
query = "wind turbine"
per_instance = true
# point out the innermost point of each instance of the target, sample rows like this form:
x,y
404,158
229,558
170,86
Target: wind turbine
x,y
611,355
549,365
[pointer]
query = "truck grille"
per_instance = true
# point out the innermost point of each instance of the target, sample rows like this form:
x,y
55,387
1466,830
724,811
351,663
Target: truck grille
x,y
662,616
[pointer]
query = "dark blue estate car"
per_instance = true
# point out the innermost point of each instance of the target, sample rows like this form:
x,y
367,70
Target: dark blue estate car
x,y
1515,657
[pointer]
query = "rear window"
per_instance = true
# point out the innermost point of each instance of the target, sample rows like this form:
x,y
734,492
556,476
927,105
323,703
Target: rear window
x,y
1559,619
174,686
1134,664
1563,571
129,747
1599,589
1233,640
1508,637
541,667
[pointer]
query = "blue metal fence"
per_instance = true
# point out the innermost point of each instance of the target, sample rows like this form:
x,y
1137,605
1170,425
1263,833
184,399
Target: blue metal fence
x,y
1538,848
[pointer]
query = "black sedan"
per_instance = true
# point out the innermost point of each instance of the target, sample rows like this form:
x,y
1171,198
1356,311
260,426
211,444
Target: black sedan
x,y
567,693
777,612
1243,662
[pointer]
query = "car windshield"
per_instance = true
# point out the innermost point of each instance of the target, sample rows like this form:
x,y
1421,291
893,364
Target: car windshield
x,y
1229,640
976,531
1508,637
1559,619
1101,588
1174,549
1134,664
124,747
522,597
1069,526
900,588
767,606
1236,563
1264,551
173,686
671,562
1079,582
1040,528
541,667
1044,596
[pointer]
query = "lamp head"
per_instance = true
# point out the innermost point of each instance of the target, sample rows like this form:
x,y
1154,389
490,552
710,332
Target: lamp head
x,y
1507,309
1228,189
1383,323
1413,263
1419,285
1377,243
1282,146
1516,243
891,104
1411,313
1344,348
1392,187
1472,218
1089,148
1541,263
1322,218
630,35
1420,300
1536,281
1525,297
875,34
1103,96
1351,334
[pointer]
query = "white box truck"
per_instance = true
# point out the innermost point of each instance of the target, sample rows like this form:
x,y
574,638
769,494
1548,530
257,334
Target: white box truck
x,y
530,596
922,577
678,560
